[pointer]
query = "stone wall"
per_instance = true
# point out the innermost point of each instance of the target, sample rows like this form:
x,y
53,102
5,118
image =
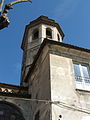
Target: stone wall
x,y
69,102
39,87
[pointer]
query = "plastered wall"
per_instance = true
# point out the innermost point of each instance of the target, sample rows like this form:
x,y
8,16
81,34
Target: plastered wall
x,y
70,103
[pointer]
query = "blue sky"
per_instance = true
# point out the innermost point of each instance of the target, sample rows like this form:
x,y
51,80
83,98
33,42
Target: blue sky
x,y
72,15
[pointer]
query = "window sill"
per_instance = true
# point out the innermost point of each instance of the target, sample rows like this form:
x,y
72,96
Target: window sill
x,y
82,91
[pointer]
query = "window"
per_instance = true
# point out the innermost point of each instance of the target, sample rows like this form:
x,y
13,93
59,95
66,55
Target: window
x,y
82,76
48,33
58,37
35,34
37,115
1,112
13,117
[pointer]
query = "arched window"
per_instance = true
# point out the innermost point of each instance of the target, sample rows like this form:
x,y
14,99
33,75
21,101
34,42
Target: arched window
x,y
37,116
35,34
58,37
9,111
48,33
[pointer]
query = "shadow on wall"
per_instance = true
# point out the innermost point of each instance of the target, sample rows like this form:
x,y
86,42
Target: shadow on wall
x,y
9,111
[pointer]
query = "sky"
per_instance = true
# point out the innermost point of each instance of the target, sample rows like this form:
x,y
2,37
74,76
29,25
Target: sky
x,y
72,15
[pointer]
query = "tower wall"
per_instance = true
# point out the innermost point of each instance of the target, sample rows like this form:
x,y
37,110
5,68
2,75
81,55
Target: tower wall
x,y
39,88
35,33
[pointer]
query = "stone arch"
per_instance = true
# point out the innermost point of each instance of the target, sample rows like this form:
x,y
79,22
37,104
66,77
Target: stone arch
x,y
9,111
48,33
35,34
58,37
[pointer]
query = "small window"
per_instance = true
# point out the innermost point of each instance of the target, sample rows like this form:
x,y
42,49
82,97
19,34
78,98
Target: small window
x,y
37,115
48,33
1,112
35,34
82,75
58,37
13,117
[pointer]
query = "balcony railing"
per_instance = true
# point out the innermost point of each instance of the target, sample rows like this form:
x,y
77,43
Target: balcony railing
x,y
82,79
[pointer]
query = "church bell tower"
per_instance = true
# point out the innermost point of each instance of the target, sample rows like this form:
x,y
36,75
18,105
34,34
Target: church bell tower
x,y
35,32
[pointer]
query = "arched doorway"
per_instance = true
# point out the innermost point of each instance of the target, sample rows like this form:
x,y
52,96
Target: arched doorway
x,y
9,111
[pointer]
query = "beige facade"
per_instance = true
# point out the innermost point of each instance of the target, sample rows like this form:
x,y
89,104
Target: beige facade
x,y
73,102
61,93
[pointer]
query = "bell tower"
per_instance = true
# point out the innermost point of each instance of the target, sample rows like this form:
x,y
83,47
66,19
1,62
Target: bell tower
x,y
35,32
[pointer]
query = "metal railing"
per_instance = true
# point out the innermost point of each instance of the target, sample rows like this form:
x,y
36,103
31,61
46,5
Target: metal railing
x,y
82,79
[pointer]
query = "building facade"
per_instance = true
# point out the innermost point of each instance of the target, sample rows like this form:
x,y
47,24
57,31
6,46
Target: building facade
x,y
55,77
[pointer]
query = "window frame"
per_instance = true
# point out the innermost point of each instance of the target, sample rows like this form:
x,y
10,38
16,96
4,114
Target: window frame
x,y
82,84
